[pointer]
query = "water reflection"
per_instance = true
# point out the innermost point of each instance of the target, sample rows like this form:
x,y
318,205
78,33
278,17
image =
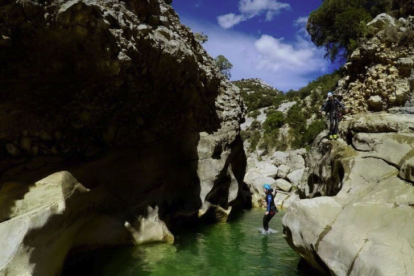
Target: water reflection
x,y
235,248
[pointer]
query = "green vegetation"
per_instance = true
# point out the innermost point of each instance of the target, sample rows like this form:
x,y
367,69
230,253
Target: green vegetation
x,y
224,65
308,99
312,131
273,121
256,96
407,38
338,25
325,83
297,122
201,37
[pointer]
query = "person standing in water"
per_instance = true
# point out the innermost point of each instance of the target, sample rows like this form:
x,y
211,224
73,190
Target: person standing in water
x,y
333,107
271,207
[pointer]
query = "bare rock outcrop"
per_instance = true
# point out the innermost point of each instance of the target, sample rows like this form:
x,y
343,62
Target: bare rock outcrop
x,y
360,222
120,95
380,73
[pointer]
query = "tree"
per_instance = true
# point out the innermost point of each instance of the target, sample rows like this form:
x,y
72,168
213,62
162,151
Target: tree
x,y
201,37
169,2
338,25
274,121
224,65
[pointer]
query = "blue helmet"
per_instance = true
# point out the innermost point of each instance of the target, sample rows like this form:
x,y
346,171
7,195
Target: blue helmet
x,y
330,94
267,187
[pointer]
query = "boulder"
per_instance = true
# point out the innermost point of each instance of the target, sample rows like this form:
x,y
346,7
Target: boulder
x,y
283,171
295,161
405,63
149,229
255,181
283,185
375,102
284,201
267,169
292,159
280,158
295,177
383,122
39,228
346,234
381,21
402,90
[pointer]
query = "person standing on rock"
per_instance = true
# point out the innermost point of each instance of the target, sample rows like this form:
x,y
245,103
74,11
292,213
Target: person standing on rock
x,y
271,207
333,107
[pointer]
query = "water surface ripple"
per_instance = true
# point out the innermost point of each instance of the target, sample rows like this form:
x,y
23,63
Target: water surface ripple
x,y
235,248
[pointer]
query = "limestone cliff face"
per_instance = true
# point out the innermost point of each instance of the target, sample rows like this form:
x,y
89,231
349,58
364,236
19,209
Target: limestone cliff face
x,y
121,96
358,216
379,74
364,224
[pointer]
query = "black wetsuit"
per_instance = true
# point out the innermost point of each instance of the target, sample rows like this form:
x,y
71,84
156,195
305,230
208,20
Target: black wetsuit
x,y
271,209
332,107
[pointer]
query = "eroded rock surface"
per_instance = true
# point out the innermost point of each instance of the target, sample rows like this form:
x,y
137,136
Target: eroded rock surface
x,y
365,228
380,73
121,96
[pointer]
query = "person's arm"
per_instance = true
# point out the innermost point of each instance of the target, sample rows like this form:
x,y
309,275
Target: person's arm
x,y
340,104
324,106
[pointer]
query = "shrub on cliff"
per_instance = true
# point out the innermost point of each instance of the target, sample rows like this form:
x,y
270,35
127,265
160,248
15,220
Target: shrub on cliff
x,y
256,96
391,35
201,37
274,120
254,140
224,65
406,39
312,131
337,25
324,83
270,140
297,122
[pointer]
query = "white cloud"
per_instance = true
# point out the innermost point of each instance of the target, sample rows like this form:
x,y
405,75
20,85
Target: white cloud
x,y
229,20
250,9
301,21
283,64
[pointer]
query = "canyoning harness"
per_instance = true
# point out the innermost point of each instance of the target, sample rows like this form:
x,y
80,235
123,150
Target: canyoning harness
x,y
335,114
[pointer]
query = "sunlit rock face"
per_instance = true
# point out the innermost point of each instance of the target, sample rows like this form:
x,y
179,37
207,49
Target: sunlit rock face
x,y
379,74
122,97
358,215
361,221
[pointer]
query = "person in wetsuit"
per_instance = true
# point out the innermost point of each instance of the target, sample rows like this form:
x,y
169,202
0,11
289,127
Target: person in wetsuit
x,y
271,209
332,107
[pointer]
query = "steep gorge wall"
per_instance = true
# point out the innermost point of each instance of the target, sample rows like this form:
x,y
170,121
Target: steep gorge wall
x,y
121,96
358,216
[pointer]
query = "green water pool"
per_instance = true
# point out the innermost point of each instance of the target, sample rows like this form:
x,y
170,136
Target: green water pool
x,y
234,248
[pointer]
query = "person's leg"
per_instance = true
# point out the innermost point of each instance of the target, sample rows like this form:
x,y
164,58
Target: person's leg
x,y
331,124
266,222
336,127
270,216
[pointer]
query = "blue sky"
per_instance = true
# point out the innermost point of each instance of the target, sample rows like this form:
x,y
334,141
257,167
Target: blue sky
x,y
262,38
